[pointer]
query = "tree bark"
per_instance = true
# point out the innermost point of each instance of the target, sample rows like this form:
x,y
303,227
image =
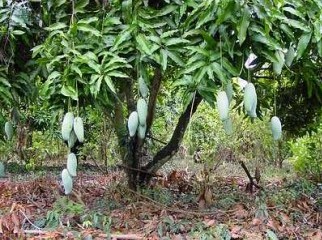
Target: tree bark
x,y
168,151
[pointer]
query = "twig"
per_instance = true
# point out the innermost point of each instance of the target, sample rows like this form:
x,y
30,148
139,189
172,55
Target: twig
x,y
155,139
38,228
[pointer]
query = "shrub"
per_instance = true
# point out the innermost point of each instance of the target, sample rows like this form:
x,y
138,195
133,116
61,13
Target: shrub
x,y
307,155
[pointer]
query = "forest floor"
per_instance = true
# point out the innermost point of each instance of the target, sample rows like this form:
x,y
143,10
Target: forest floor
x,y
184,204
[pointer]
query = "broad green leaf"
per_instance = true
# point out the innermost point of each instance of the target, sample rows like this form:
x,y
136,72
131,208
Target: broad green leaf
x,y
127,6
168,34
80,4
5,82
278,65
96,67
242,28
165,10
87,20
200,75
95,88
76,69
294,12
53,75
56,26
318,29
175,57
89,29
218,71
143,44
163,59
294,23
122,37
174,41
117,74
109,83
289,57
18,32
302,45
194,66
69,91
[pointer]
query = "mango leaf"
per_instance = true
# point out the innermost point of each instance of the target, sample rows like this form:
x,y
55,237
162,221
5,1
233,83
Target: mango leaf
x,y
69,91
117,74
87,28
294,12
124,36
143,44
93,65
278,65
175,57
56,26
242,28
53,75
109,83
80,4
88,20
18,32
218,71
175,41
163,59
303,43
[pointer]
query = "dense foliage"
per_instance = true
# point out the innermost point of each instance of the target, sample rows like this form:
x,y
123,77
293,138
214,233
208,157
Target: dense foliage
x,y
73,54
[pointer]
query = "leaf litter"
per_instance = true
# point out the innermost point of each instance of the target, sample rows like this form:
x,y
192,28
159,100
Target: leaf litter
x,y
101,207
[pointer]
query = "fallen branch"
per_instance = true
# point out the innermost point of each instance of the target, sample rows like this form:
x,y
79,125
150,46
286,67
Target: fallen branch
x,y
38,228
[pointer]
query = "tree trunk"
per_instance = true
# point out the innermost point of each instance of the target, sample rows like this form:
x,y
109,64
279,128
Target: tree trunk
x,y
168,151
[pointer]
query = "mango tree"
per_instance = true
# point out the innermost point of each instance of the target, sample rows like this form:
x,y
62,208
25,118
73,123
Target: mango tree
x,y
116,54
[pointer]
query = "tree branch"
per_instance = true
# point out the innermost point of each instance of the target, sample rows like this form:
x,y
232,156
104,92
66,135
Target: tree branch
x,y
167,152
154,90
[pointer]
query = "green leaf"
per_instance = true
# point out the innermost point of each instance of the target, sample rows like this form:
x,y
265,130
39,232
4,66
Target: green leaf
x,y
109,83
117,74
18,32
124,36
56,26
53,75
295,24
163,59
80,4
5,82
242,29
69,91
218,71
166,10
89,29
175,57
278,65
194,66
303,43
174,41
88,20
95,88
96,67
76,69
290,55
143,44
294,12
